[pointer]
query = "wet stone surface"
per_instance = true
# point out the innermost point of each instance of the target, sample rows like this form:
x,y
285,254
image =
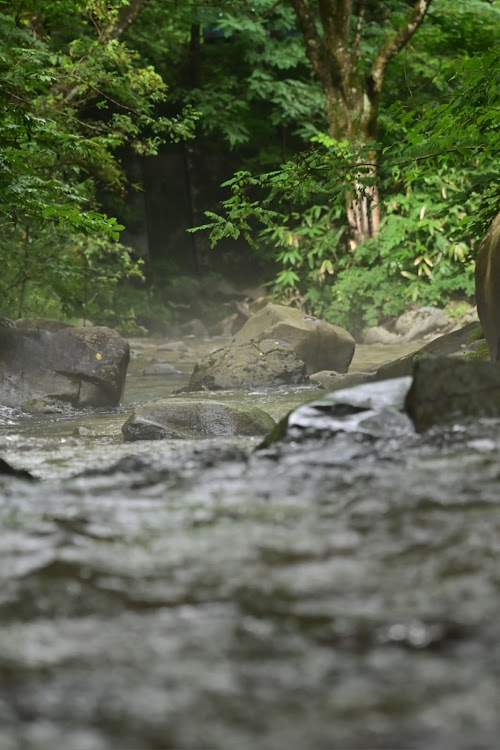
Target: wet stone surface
x,y
330,591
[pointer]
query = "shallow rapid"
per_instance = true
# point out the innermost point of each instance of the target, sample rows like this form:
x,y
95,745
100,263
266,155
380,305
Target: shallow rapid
x,y
337,589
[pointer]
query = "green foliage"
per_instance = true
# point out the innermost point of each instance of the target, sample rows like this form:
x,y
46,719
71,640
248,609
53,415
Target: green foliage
x,y
74,97
437,177
71,96
460,135
241,65
73,274
415,259
133,309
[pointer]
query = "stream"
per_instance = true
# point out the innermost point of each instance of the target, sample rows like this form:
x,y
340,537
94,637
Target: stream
x,y
331,591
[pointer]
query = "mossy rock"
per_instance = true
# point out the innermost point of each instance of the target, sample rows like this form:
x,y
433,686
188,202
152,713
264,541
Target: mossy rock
x,y
190,419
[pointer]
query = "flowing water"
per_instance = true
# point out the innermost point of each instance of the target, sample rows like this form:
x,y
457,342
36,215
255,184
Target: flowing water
x,y
330,591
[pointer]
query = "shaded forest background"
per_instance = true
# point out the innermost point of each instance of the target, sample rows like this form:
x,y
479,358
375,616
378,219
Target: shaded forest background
x,y
344,152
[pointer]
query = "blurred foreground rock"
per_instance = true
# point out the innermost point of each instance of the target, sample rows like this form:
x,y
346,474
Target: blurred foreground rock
x,y
441,391
450,390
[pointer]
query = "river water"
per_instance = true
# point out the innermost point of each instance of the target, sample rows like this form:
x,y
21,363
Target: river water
x,y
330,591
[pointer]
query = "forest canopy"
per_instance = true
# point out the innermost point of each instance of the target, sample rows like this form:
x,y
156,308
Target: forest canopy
x,y
363,139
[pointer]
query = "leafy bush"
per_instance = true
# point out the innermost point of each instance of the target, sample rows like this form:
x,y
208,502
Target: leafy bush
x,y
68,101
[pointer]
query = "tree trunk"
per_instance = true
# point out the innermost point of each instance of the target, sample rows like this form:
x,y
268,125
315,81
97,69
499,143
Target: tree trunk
x,y
126,16
363,211
351,102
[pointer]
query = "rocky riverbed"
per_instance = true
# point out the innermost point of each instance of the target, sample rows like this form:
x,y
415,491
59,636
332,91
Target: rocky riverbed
x,y
336,589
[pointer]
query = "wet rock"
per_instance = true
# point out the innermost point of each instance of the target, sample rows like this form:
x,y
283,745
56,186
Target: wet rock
x,y
375,409
183,418
321,345
380,335
269,363
414,324
46,406
457,343
453,390
333,381
77,366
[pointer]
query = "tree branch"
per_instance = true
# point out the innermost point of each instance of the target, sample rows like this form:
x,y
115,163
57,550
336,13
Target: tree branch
x,y
359,29
312,39
126,16
396,42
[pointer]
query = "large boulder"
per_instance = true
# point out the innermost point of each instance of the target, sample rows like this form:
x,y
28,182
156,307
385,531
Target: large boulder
x,y
321,345
254,365
76,366
453,390
178,418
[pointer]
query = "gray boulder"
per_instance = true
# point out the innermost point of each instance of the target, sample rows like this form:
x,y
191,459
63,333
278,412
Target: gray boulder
x,y
252,365
414,324
380,335
372,409
76,366
178,418
321,345
453,390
